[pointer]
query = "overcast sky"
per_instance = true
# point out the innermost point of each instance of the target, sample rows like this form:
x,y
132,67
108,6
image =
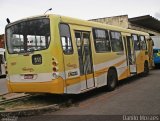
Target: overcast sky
x,y
83,9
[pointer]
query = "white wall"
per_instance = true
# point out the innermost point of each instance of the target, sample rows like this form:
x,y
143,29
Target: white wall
x,y
156,40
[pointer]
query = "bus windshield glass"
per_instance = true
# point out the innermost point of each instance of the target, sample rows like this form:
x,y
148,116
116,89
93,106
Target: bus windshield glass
x,y
28,36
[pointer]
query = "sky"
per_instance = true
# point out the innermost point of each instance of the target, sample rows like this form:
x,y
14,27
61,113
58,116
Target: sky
x,y
82,9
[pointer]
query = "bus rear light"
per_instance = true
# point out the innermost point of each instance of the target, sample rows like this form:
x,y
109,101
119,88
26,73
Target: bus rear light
x,y
54,63
55,75
55,69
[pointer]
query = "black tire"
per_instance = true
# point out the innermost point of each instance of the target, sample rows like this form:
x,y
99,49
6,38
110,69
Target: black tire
x,y
146,69
157,66
112,80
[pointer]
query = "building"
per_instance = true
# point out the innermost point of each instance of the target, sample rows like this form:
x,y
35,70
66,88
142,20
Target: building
x,y
145,23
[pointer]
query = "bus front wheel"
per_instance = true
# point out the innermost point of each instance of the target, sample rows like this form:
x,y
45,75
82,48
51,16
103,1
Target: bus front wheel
x,y
112,79
146,69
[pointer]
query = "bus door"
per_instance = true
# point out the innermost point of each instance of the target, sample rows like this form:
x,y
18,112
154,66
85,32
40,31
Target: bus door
x,y
85,59
131,56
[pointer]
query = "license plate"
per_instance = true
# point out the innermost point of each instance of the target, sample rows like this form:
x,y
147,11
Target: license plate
x,y
28,76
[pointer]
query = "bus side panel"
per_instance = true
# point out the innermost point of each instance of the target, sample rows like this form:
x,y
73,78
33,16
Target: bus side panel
x,y
79,77
57,54
71,67
141,56
103,61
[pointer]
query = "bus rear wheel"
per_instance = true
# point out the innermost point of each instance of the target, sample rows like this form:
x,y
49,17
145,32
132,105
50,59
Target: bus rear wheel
x,y
112,80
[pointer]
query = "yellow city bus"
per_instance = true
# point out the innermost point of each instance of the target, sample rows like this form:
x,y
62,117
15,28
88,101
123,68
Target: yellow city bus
x,y
63,55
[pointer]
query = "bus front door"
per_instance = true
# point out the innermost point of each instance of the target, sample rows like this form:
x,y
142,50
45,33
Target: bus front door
x,y
85,59
131,56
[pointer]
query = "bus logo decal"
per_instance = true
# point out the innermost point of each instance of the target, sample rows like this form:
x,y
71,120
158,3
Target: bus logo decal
x,y
72,65
13,63
28,69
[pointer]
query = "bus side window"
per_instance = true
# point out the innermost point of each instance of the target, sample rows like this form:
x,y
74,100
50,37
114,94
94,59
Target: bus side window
x,y
143,43
66,39
101,40
136,42
116,41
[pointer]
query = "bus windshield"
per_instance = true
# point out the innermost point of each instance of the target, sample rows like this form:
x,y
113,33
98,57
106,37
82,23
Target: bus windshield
x,y
28,36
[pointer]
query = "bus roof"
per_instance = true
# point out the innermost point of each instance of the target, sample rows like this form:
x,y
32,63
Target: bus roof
x,y
76,21
96,24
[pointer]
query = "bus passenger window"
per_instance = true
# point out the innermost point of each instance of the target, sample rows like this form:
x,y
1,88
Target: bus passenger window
x,y
136,42
101,40
116,41
143,43
66,39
